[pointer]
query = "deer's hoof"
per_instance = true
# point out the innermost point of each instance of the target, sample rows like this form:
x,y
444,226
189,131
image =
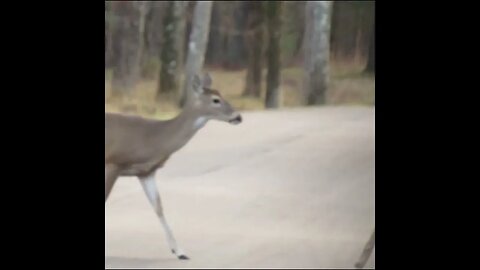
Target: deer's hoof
x,y
183,257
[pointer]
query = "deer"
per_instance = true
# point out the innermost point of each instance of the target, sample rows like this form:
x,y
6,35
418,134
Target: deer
x,y
139,147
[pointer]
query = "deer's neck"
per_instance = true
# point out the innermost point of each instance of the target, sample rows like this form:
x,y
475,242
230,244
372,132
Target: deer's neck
x,y
183,127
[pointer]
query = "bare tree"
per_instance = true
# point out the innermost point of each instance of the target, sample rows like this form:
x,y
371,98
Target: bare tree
x,y
235,41
371,52
153,39
128,38
172,49
352,23
218,36
255,43
317,51
273,11
108,34
197,44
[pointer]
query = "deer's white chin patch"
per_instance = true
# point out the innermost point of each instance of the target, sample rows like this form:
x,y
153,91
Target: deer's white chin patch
x,y
200,122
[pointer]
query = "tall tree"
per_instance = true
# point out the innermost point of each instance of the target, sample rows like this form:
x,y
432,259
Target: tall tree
x,y
294,32
197,44
216,40
172,49
317,52
153,39
352,23
128,46
371,52
254,39
143,8
108,34
273,11
235,44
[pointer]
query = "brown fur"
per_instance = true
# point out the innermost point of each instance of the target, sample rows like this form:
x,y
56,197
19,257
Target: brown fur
x,y
136,146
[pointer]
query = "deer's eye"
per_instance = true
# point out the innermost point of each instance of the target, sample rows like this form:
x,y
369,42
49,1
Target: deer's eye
x,y
216,100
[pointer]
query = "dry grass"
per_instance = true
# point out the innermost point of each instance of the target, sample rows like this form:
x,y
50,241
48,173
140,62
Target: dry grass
x,y
347,86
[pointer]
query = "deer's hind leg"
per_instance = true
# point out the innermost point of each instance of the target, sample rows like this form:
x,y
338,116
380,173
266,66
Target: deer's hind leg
x,y
111,175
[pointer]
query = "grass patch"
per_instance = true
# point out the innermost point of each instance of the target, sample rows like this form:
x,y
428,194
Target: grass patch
x,y
348,86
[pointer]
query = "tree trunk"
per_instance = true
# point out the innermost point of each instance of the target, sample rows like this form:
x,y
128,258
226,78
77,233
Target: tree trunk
x,y
197,44
254,40
214,54
317,51
300,42
273,13
350,31
306,33
235,46
153,39
180,38
371,52
128,36
222,32
171,58
143,7
108,35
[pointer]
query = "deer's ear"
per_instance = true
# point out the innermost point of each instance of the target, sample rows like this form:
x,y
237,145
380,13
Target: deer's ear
x,y
197,84
207,80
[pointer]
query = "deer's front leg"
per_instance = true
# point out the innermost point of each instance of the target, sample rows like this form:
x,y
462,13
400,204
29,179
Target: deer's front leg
x,y
111,175
150,188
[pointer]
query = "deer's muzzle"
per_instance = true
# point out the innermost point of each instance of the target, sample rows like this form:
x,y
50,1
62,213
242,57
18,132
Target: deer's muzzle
x,y
237,120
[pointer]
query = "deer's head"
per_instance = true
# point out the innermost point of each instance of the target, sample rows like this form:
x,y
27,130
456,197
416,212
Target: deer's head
x,y
209,102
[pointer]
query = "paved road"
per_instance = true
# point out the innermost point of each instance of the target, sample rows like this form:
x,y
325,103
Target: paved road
x,y
289,188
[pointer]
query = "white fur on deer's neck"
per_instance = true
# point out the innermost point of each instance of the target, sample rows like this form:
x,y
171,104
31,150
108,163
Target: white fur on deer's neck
x,y
200,122
190,109
189,122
